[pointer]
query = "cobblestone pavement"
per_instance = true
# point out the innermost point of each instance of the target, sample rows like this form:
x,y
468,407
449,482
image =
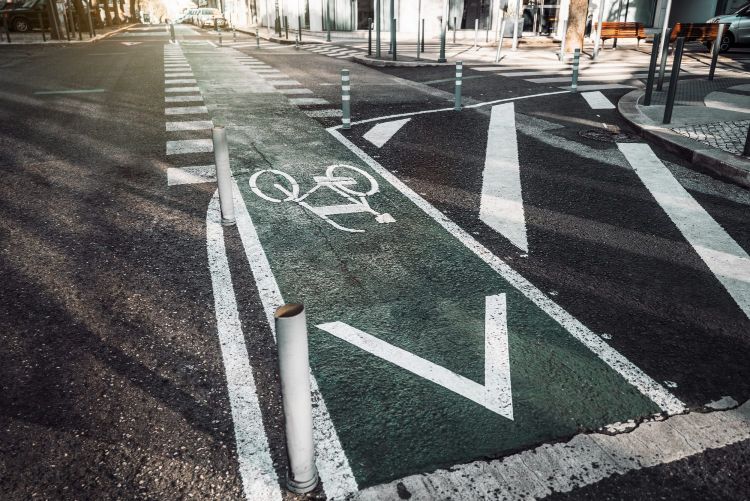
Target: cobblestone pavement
x,y
728,136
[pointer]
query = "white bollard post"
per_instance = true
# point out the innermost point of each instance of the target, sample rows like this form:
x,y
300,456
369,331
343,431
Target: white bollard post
x,y
223,175
294,370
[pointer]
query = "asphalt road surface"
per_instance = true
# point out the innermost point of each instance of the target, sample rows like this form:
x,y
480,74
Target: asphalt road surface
x,y
487,291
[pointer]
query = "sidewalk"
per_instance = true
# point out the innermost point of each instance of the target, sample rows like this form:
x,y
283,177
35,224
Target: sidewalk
x,y
709,123
35,37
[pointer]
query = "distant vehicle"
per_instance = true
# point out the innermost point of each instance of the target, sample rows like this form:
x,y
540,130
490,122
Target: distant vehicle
x,y
739,28
185,17
24,15
209,17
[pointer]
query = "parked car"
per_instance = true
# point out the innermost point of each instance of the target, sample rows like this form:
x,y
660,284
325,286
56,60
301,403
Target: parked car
x,y
739,28
209,17
185,17
24,15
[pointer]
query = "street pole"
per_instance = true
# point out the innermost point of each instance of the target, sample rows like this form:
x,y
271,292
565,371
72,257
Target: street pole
x,y
7,29
515,26
715,56
369,36
419,16
454,30
652,69
598,40
377,29
328,20
393,37
664,45
422,35
393,30
92,33
268,20
501,37
476,31
673,79
441,58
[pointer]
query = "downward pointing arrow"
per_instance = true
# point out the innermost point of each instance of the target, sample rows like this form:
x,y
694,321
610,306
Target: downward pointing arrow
x,y
495,394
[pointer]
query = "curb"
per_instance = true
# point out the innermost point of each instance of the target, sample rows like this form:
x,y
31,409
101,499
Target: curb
x,y
56,43
281,41
380,63
730,167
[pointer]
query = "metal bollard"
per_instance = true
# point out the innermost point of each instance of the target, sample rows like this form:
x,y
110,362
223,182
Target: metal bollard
x,y
476,32
294,372
664,56
746,151
234,35
7,29
441,58
299,27
501,38
377,29
369,36
220,42
41,25
171,33
459,82
346,107
216,24
223,175
422,35
455,21
296,41
715,56
652,69
257,38
673,78
393,37
487,31
562,42
286,27
576,64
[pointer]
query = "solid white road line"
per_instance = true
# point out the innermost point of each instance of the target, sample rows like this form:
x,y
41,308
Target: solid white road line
x,y
184,146
592,87
384,131
583,78
323,113
182,89
584,460
597,100
259,479
189,125
186,110
306,101
183,99
191,175
724,257
630,372
333,465
501,205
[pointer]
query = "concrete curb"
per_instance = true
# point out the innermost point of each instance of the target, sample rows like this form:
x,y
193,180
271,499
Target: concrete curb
x,y
380,63
731,167
281,41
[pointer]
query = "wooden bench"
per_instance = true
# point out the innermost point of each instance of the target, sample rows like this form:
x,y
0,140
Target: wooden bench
x,y
617,30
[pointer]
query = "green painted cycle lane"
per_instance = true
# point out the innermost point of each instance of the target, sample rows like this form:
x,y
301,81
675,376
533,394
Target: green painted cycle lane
x,y
403,278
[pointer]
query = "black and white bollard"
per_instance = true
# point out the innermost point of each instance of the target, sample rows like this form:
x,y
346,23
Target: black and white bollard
x,y
576,65
716,48
223,175
652,69
294,372
673,79
459,83
346,109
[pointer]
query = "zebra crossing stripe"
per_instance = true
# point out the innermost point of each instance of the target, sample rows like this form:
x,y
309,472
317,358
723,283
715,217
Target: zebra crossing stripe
x,y
186,110
184,146
189,125
191,175
183,99
307,101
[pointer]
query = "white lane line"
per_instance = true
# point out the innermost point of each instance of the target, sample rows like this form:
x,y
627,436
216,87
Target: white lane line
x,y
305,101
323,113
183,99
597,100
286,83
333,465
259,479
384,131
583,78
501,206
295,91
182,89
189,125
582,88
179,81
584,460
183,146
630,372
724,257
191,175
186,110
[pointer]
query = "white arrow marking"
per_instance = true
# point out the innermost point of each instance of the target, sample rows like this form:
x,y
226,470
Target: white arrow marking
x,y
495,394
383,132
501,205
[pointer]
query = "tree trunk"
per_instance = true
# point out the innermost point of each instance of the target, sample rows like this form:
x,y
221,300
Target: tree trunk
x,y
132,11
577,15
116,8
107,14
83,22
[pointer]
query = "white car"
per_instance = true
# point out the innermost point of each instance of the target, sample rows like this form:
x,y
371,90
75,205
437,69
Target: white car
x,y
739,27
209,18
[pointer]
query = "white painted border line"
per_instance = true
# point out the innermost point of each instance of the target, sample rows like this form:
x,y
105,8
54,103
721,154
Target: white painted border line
x,y
597,100
307,101
183,99
189,125
195,174
183,146
630,372
724,257
182,89
259,479
179,81
585,460
330,458
186,110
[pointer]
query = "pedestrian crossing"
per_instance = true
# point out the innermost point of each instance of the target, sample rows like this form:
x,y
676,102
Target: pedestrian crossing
x,y
253,44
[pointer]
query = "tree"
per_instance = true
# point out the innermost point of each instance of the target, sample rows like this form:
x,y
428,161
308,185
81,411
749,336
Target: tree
x,y
107,14
577,16
132,11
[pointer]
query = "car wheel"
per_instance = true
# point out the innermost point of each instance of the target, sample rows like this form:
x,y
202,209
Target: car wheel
x,y
21,25
727,40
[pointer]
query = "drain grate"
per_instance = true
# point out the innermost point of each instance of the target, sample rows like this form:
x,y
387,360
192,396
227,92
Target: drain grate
x,y
609,136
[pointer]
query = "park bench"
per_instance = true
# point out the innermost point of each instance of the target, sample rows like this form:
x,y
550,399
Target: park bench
x,y
615,30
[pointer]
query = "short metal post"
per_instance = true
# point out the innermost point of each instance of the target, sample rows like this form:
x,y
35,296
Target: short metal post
x,y
328,20
664,56
715,56
515,25
746,151
476,32
562,42
223,175
257,38
234,35
216,24
41,25
598,40
455,22
673,78
419,16
377,29
459,82
393,37
652,69
294,372
286,27
92,31
346,107
576,63
422,35
501,38
220,41
487,30
369,36
67,24
441,58
7,29
171,33
299,27
76,20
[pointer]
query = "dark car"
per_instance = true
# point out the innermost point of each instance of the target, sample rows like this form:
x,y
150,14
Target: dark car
x,y
24,15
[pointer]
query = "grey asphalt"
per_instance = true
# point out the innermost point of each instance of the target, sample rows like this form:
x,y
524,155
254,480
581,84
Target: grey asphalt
x,y
111,379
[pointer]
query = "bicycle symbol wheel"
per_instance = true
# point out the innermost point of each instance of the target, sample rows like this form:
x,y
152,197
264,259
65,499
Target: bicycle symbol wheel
x,y
289,188
351,180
